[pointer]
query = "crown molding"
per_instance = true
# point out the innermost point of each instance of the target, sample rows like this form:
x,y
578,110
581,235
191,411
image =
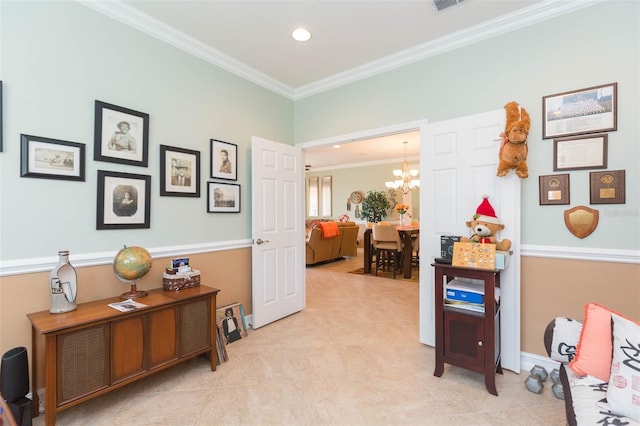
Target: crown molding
x,y
516,20
528,16
132,17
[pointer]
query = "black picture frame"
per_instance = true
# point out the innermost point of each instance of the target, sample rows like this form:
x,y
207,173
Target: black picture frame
x,y
554,189
112,144
221,169
223,197
179,172
47,158
580,112
580,152
113,212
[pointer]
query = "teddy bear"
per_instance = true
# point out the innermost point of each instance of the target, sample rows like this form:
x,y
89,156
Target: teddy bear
x,y
513,149
485,226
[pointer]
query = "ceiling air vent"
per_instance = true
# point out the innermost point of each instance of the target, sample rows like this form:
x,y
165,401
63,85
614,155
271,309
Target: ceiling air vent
x,y
443,4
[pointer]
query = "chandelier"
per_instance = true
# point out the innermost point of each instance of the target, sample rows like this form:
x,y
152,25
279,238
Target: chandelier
x,y
405,179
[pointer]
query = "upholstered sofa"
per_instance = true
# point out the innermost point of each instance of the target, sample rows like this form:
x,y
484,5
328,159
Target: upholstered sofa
x,y
321,249
599,366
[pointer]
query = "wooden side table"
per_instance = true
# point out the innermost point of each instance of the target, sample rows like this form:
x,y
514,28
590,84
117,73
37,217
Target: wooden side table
x,y
467,338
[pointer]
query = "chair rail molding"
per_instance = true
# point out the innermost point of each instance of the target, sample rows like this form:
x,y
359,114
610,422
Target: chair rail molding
x,y
42,264
593,254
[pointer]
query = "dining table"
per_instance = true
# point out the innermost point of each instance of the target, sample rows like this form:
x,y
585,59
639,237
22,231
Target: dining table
x,y
407,234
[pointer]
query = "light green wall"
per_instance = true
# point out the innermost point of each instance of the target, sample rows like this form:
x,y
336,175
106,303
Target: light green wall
x,y
57,58
593,46
345,180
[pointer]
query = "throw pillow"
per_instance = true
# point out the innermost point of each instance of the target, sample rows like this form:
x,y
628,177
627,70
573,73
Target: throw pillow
x,y
593,355
623,392
566,333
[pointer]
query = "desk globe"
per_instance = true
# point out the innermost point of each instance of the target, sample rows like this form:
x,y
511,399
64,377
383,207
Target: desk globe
x,y
130,264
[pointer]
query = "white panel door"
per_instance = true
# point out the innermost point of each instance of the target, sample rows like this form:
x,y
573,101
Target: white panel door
x,y
278,275
458,161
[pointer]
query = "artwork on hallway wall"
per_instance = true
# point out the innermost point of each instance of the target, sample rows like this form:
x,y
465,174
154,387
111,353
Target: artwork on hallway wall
x,y
121,135
124,200
579,112
179,172
230,320
51,158
224,160
223,197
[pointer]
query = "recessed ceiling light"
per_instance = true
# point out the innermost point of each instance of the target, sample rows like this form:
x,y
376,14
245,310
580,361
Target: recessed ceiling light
x,y
336,146
300,34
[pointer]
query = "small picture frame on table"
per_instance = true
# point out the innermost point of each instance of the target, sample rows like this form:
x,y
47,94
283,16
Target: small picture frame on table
x,y
580,153
47,158
607,187
121,135
579,112
554,189
224,160
124,200
223,197
179,172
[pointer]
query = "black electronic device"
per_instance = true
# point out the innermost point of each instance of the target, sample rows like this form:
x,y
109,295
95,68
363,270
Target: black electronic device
x,y
446,248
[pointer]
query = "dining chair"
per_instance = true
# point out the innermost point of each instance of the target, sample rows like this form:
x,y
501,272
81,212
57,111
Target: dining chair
x,y
388,248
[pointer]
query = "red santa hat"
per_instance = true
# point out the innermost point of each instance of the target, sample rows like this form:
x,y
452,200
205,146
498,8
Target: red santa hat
x,y
485,212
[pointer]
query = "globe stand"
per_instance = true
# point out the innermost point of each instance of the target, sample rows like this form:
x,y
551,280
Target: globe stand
x,y
133,294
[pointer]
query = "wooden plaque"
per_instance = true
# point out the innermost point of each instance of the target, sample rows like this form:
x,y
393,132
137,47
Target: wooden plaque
x,y
581,220
607,187
554,189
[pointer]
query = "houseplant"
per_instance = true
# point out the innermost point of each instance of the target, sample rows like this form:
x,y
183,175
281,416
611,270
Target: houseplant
x,y
374,206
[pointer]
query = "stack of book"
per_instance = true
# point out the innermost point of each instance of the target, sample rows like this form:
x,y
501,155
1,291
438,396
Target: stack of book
x,y
467,294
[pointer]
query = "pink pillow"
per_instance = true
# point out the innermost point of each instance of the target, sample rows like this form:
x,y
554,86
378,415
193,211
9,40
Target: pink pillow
x,y
594,351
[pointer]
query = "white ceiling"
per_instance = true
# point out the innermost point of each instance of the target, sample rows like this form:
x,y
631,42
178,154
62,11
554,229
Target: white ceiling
x,y
350,40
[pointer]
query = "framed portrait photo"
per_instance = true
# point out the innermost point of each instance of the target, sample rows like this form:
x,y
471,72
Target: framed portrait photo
x,y
124,200
579,112
51,158
224,160
121,135
223,197
179,172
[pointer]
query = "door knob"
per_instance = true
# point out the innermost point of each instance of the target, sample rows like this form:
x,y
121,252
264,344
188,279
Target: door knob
x,y
261,241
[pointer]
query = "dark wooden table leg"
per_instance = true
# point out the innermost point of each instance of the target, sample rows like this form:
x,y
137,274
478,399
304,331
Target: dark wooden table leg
x,y
368,252
406,253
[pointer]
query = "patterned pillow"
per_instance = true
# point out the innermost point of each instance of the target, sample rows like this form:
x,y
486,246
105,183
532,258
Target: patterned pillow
x,y
566,333
623,393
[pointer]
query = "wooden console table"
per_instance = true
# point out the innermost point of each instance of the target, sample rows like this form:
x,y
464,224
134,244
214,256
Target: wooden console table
x,y
96,349
467,338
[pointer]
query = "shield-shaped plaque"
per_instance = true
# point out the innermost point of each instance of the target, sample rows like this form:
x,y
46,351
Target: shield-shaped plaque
x,y
581,220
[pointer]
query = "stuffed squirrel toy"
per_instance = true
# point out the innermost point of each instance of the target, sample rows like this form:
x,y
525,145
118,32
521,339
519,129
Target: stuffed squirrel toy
x,y
485,225
513,150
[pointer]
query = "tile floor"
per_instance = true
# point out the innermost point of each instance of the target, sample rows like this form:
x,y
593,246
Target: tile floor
x,y
352,357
